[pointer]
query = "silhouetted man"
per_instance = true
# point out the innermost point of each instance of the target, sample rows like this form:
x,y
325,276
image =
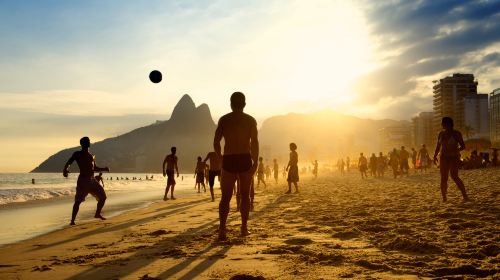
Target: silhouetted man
x,y
171,162
214,170
86,183
241,152
275,170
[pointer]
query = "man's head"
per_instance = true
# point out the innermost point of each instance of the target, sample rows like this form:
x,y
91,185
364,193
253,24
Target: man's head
x,y
447,123
85,142
423,145
260,158
237,101
403,148
173,150
274,160
293,146
199,158
361,154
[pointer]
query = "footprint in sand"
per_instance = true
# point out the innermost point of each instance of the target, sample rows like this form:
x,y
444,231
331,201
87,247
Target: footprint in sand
x,y
298,241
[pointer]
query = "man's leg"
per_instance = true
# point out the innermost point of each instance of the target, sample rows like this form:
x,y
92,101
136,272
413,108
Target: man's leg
x,y
245,183
167,188
444,169
100,194
458,181
172,191
228,180
76,207
211,182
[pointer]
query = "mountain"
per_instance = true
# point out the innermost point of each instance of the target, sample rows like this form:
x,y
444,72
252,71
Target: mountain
x,y
190,129
321,135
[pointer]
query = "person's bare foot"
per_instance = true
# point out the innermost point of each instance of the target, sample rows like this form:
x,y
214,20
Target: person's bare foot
x,y
173,198
288,192
165,198
244,231
72,223
99,217
222,235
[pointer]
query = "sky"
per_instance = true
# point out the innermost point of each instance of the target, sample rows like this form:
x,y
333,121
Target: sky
x,y
73,68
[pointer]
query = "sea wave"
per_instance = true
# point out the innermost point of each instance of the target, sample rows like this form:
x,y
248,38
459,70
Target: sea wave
x,y
23,195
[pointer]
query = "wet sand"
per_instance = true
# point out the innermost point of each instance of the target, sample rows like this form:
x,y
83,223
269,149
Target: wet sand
x,y
337,227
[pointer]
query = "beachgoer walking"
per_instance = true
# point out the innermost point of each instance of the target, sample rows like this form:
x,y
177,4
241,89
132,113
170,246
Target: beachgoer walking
x,y
214,170
199,173
403,161
363,166
449,145
171,166
293,169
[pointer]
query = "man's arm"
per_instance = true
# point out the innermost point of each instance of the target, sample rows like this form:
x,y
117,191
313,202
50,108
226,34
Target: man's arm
x,y
218,138
206,158
100,169
176,167
438,147
68,164
254,145
461,141
163,168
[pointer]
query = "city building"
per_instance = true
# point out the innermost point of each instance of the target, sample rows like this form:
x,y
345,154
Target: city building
x,y
476,117
422,131
449,94
394,137
495,118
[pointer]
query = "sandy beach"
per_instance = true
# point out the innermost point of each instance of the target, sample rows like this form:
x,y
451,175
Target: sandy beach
x,y
337,227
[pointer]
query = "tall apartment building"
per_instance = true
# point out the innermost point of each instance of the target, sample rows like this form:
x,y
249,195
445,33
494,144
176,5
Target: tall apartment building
x,y
495,118
422,131
476,117
449,94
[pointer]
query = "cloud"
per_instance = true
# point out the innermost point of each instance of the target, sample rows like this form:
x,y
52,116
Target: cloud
x,y
426,40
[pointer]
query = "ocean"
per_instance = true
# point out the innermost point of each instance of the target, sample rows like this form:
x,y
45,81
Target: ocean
x,y
28,210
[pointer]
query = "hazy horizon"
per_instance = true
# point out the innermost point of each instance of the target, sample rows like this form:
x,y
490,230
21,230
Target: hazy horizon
x,y
73,68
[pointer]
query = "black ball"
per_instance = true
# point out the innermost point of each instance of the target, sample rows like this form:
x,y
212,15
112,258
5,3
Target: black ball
x,y
155,76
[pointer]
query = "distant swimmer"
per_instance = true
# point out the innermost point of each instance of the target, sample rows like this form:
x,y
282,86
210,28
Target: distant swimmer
x,y
260,173
199,172
214,170
403,161
315,169
33,181
86,182
171,166
423,159
363,166
293,169
449,145
275,170
240,159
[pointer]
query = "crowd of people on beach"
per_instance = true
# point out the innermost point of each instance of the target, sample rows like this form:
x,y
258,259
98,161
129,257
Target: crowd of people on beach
x,y
237,166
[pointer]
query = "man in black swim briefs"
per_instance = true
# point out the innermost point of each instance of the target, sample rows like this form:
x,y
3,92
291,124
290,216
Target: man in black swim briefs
x,y
241,153
171,162
86,183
